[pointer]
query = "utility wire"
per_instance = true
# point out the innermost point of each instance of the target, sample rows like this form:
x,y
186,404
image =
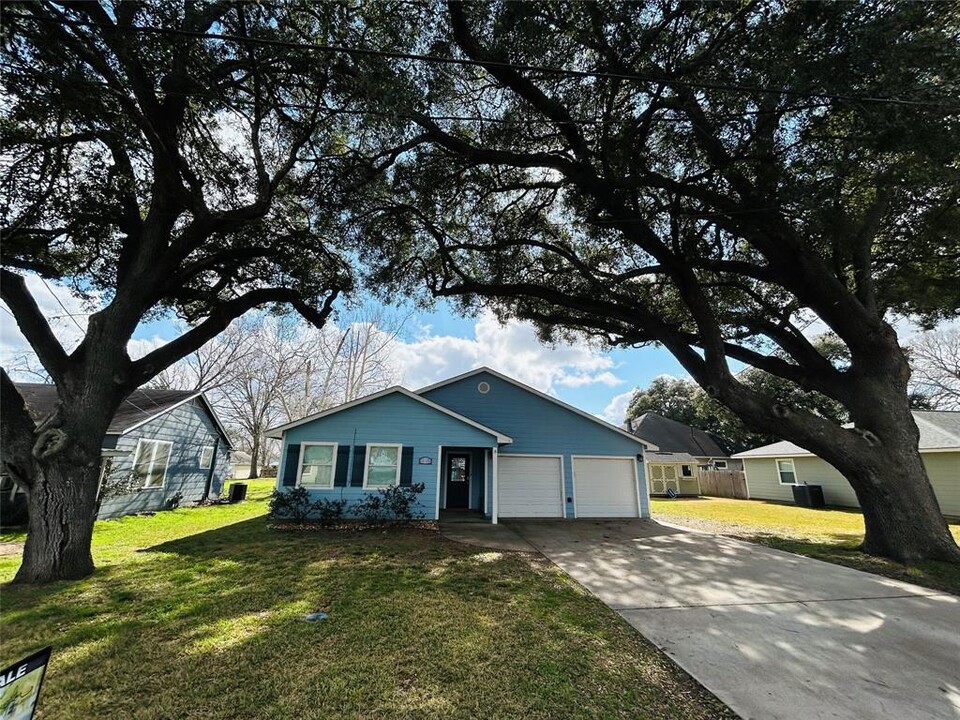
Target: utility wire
x,y
398,55
60,303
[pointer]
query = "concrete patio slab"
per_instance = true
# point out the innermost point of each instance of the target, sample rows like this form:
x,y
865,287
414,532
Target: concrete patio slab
x,y
774,635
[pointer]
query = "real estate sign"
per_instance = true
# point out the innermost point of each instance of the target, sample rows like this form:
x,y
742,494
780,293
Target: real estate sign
x,y
20,686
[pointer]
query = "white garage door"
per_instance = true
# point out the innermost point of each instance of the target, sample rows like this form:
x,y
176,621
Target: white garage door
x,y
605,487
529,487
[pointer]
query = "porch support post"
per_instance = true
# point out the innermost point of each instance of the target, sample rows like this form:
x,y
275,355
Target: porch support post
x,y
493,513
436,513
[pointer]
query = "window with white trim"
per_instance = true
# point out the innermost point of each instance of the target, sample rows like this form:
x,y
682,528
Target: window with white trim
x,y
686,471
720,464
151,461
786,472
206,457
317,463
383,466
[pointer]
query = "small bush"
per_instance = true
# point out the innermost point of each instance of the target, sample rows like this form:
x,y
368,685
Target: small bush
x,y
173,502
290,504
329,512
393,503
398,501
370,509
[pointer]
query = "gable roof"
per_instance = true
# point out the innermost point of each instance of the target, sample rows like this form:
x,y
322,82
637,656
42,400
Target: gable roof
x,y
277,432
517,383
672,436
939,430
142,406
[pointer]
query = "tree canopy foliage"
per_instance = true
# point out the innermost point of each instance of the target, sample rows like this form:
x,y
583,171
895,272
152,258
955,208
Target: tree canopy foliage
x,y
711,178
155,171
194,159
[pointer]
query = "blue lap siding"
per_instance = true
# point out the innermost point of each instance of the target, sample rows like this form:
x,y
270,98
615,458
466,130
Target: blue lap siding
x,y
390,419
189,428
537,426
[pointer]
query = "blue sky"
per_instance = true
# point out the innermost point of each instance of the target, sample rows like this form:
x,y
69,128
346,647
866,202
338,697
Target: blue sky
x,y
634,367
439,343
432,346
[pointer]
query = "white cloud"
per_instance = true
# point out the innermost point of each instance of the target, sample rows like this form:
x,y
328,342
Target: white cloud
x,y
616,409
512,349
139,347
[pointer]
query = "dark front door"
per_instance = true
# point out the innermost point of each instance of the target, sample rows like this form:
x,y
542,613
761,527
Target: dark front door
x,y
458,482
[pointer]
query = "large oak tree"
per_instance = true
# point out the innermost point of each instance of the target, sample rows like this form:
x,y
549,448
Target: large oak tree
x,y
709,177
158,170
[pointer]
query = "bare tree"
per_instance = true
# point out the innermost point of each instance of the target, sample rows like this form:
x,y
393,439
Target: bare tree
x,y
935,360
346,361
211,365
25,367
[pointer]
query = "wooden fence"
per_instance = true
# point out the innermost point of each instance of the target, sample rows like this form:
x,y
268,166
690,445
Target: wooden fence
x,y
723,483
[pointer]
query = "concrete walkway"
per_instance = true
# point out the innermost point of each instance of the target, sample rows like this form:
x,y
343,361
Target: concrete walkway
x,y
774,635
485,535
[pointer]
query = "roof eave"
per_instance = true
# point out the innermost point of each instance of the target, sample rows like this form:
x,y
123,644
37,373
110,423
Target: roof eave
x,y
555,401
277,432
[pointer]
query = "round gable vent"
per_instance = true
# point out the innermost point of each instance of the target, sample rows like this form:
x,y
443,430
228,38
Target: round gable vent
x,y
484,388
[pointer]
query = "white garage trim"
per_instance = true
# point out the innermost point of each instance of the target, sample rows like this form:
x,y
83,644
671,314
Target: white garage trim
x,y
507,456
496,485
636,477
436,513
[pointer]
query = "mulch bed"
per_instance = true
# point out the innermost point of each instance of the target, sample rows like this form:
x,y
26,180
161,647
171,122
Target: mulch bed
x,y
350,525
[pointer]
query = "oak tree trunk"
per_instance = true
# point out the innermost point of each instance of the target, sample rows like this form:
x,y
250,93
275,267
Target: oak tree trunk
x,y
62,507
901,515
879,456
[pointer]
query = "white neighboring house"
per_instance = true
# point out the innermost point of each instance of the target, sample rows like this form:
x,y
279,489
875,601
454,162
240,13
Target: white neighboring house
x,y
239,465
772,470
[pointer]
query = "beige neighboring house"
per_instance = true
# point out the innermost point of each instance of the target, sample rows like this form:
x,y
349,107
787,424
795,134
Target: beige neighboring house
x,y
772,470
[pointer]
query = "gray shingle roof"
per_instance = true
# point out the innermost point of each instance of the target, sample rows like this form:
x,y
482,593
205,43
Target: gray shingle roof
x,y
939,429
652,456
142,404
672,436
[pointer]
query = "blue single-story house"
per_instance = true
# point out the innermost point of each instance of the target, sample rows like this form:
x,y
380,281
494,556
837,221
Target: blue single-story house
x,y
480,442
160,444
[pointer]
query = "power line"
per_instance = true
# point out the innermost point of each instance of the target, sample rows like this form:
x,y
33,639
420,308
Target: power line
x,y
399,55
60,303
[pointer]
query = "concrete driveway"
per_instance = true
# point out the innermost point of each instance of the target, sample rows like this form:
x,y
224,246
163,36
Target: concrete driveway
x,y
776,636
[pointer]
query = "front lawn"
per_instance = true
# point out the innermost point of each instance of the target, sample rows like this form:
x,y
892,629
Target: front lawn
x,y
199,613
830,534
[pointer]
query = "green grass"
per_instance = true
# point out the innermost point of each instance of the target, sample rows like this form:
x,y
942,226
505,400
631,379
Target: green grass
x,y
830,534
258,489
199,613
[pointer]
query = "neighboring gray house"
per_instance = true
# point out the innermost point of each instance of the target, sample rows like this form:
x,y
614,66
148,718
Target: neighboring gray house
x,y
683,453
160,443
773,470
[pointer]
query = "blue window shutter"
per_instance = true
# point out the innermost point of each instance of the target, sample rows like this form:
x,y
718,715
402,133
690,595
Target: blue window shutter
x,y
343,460
359,465
406,467
290,465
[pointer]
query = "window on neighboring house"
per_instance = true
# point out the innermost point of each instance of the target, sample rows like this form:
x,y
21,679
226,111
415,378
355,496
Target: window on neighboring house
x,y
720,464
686,471
787,473
383,466
317,461
206,457
151,461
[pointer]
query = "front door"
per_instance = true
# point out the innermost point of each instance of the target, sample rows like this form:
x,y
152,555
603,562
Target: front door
x,y
458,482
